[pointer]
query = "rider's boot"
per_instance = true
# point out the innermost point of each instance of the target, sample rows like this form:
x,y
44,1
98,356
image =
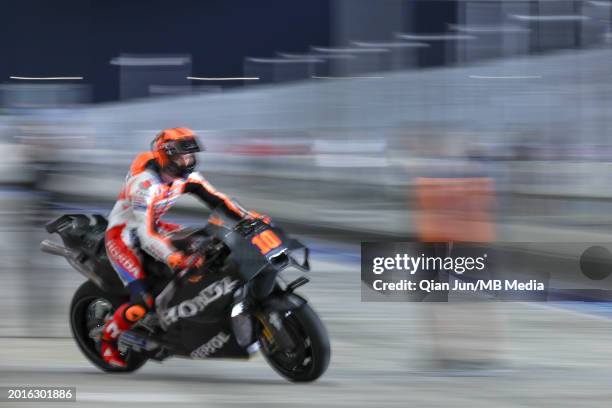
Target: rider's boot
x,y
123,319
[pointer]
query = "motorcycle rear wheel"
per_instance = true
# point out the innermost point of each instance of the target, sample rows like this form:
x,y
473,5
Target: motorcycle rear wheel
x,y
87,294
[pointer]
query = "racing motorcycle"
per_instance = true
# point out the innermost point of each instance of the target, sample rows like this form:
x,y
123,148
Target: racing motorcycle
x,y
234,305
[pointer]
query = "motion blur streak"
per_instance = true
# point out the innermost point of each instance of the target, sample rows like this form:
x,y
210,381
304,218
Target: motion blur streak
x,y
223,79
515,94
67,78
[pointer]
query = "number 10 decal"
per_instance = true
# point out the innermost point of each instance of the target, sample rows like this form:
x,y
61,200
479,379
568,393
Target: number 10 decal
x,y
266,241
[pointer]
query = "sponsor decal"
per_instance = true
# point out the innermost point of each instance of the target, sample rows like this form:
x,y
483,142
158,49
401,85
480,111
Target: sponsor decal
x,y
121,258
191,307
211,346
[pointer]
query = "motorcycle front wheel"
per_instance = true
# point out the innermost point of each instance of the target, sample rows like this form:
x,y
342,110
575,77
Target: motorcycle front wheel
x,y
90,308
310,356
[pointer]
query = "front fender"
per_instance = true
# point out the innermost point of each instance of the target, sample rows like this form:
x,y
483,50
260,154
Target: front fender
x,y
283,302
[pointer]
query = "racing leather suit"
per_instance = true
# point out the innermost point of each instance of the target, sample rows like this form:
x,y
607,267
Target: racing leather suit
x,y
135,224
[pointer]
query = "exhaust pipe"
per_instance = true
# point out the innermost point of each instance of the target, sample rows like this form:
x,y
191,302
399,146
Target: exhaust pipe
x,y
53,248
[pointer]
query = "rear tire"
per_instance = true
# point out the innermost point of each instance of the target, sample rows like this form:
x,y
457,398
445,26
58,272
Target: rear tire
x,y
312,353
87,293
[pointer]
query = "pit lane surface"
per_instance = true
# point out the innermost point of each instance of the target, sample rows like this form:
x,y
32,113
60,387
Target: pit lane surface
x,y
383,354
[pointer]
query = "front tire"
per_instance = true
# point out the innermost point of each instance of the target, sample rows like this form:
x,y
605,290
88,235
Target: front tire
x,y
87,294
310,358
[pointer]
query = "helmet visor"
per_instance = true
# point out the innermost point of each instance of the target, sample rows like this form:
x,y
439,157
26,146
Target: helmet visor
x,y
186,145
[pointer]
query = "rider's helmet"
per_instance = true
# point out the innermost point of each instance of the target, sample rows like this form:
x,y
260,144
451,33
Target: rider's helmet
x,y
174,150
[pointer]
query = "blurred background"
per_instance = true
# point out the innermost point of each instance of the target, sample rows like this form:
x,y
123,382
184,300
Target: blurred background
x,y
333,117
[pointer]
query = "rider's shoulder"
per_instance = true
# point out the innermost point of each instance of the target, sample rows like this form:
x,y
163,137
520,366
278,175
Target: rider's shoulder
x,y
145,181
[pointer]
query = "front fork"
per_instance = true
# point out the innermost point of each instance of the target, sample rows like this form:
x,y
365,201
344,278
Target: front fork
x,y
273,311
276,337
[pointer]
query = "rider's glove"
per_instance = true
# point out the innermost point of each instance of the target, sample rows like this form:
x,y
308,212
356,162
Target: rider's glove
x,y
178,261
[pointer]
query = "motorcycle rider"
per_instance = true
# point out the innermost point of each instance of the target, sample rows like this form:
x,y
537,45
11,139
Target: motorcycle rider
x,y
155,181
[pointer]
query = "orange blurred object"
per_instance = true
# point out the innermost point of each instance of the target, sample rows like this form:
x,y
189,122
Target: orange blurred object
x,y
455,209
